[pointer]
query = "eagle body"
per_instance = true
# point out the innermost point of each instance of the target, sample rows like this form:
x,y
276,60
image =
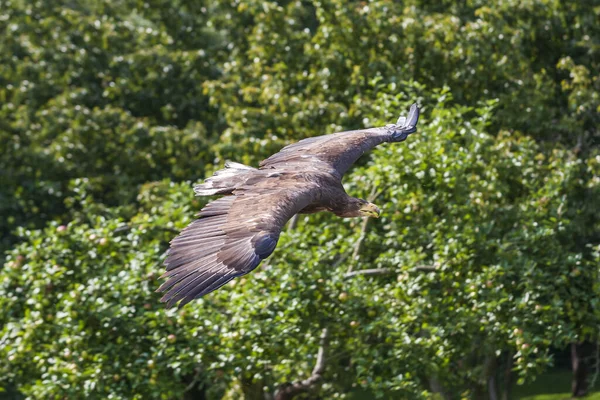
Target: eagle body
x,y
236,232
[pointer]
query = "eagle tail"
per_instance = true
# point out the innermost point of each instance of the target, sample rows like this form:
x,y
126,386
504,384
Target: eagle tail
x,y
224,181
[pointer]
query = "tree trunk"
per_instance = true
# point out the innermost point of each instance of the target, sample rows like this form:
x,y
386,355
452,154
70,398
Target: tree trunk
x,y
195,386
436,387
195,393
491,364
290,390
507,376
252,390
579,353
492,389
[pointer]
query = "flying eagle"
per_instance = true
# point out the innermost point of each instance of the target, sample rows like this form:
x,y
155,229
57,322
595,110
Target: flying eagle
x,y
236,232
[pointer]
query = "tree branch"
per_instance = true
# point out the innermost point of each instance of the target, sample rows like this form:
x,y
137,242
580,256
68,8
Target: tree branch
x,y
386,271
359,242
425,268
370,272
293,223
194,382
363,230
289,391
128,227
323,344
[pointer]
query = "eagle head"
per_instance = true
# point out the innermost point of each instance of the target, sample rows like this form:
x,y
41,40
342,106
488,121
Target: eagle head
x,y
358,208
369,210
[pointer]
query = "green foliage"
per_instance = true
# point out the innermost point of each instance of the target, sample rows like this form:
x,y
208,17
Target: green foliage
x,y
488,244
112,94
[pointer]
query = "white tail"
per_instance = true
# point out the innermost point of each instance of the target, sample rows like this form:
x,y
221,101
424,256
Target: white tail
x,y
224,181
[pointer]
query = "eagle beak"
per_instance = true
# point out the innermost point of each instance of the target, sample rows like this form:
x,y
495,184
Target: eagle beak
x,y
370,210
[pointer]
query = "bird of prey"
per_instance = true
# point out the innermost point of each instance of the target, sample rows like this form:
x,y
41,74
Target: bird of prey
x,y
236,232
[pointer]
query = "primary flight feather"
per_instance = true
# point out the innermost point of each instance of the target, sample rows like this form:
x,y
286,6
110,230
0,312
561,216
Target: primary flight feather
x,y
236,232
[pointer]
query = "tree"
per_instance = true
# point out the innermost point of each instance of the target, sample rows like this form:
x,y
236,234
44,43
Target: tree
x,y
473,241
97,91
485,259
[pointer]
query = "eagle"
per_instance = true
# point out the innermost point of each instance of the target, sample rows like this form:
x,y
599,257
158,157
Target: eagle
x,y
237,231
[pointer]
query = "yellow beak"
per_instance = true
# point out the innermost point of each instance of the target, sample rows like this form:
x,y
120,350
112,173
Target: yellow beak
x,y
370,210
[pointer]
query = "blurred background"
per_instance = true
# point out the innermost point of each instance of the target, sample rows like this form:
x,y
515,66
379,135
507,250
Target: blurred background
x,y
487,253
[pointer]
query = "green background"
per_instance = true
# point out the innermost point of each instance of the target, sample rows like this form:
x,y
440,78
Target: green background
x,y
489,235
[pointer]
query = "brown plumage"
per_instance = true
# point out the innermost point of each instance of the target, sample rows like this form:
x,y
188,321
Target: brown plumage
x,y
236,232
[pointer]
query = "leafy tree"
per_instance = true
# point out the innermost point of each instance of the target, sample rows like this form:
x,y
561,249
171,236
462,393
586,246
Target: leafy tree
x,y
471,252
485,259
111,93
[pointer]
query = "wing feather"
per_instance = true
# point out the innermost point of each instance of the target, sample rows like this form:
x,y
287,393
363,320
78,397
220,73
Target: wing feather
x,y
338,151
186,275
231,237
235,233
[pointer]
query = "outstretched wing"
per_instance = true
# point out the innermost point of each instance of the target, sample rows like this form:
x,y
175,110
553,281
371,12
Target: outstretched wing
x,y
339,151
231,237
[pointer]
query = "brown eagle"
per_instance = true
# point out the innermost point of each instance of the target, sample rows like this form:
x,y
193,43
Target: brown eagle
x,y
236,232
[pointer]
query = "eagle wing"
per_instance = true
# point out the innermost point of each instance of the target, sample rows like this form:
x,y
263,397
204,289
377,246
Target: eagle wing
x,y
338,151
231,237
235,233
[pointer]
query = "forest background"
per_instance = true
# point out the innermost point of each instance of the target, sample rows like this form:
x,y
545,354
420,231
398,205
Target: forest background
x,y
487,253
